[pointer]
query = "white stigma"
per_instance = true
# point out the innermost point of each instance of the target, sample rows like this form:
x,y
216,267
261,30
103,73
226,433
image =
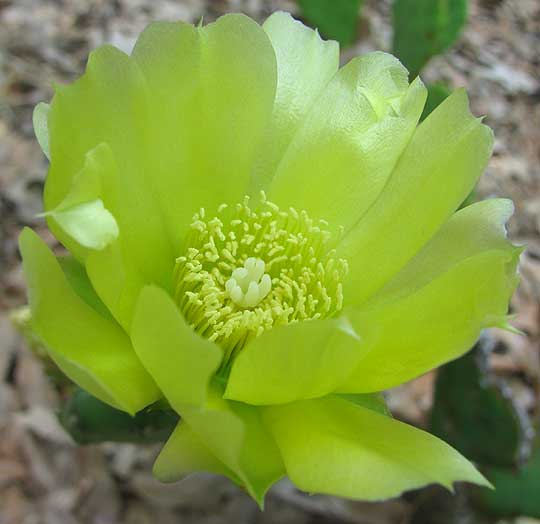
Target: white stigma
x,y
248,285
248,270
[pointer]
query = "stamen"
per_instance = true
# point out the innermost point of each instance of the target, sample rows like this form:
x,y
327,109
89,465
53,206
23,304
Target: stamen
x,y
248,270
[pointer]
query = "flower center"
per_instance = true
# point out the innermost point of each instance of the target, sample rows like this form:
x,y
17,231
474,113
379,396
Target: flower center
x,y
248,285
247,270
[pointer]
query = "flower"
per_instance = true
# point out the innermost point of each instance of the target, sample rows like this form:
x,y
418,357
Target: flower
x,y
268,242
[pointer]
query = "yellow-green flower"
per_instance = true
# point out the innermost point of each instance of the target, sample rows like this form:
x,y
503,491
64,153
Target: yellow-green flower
x,y
268,242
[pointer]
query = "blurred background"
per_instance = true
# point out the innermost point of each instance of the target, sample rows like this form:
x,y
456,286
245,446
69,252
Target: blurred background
x,y
485,404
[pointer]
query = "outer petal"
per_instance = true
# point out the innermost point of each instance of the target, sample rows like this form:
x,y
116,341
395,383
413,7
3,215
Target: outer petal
x,y
90,223
350,141
305,64
41,130
180,361
110,105
212,91
185,453
333,446
433,176
91,350
373,401
78,280
234,434
96,239
303,360
117,280
470,231
434,310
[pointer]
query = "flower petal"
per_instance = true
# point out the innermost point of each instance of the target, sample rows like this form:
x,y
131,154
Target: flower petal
x,y
81,215
434,309
84,224
333,446
90,224
109,105
98,127
78,280
235,435
41,130
91,350
116,280
350,141
185,453
179,360
305,64
212,90
435,173
470,231
303,360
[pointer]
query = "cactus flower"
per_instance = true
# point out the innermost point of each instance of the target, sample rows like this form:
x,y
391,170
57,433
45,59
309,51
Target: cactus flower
x,y
266,241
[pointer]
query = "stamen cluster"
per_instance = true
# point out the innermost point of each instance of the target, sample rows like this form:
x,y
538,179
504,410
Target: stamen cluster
x,y
246,270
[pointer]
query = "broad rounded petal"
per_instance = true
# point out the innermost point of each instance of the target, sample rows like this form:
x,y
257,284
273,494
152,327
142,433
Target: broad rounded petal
x,y
180,361
435,173
41,130
90,349
351,140
212,90
434,310
109,105
185,453
236,436
333,446
303,360
305,64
